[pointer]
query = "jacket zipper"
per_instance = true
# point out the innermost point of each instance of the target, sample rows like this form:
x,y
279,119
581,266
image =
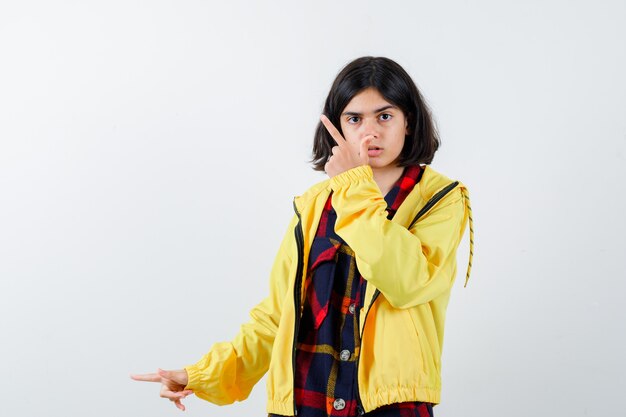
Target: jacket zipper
x,y
300,243
434,200
359,404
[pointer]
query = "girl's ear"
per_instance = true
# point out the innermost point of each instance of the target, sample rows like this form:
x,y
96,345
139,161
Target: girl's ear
x,y
406,126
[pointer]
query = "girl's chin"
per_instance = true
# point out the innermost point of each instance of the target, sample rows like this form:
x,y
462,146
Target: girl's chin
x,y
382,165
379,163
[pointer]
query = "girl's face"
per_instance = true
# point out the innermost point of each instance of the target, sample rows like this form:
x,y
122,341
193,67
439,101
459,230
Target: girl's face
x,y
368,113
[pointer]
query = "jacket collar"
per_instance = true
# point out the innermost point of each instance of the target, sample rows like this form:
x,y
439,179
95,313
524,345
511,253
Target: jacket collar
x,y
432,181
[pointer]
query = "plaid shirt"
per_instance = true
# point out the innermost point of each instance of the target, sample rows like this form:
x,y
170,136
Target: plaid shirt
x,y
328,340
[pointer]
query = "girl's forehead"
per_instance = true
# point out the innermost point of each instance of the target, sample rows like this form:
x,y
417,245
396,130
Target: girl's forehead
x,y
369,93
368,99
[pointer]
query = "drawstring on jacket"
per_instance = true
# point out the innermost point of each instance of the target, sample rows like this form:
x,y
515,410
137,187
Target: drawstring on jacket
x,y
465,194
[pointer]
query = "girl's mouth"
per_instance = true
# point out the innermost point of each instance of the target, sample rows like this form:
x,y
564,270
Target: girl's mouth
x,y
374,151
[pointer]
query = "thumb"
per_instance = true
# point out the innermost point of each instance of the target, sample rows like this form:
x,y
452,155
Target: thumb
x,y
175,376
166,374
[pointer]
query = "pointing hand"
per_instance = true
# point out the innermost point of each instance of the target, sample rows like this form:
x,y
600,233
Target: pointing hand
x,y
343,157
173,384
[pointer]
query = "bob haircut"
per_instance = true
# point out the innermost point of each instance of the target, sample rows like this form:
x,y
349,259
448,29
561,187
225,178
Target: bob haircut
x,y
397,87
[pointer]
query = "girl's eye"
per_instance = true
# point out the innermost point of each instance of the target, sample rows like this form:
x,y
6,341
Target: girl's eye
x,y
355,119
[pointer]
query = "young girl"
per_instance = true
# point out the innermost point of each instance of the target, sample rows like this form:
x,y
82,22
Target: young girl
x,y
354,321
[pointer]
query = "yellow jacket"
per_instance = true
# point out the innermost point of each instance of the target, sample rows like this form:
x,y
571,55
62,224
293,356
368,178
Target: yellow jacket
x,y
409,264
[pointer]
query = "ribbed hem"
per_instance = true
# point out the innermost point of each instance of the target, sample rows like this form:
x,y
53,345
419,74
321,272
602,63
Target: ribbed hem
x,y
381,397
280,407
393,395
352,175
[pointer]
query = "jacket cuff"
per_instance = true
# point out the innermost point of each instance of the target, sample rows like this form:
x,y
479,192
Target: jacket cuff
x,y
193,377
352,175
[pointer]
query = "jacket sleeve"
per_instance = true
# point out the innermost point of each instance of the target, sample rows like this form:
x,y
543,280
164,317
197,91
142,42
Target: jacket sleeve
x,y
229,371
409,267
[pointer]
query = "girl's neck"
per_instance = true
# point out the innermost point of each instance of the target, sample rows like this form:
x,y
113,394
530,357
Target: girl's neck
x,y
386,177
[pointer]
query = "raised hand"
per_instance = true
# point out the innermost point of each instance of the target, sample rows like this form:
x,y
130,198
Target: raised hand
x,y
343,156
173,384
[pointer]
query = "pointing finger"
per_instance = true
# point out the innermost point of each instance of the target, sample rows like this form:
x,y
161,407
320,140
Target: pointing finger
x,y
147,377
365,142
332,130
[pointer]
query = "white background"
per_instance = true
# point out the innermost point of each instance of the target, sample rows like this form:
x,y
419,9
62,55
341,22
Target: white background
x,y
150,151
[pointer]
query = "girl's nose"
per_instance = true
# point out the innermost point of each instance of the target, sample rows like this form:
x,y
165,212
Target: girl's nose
x,y
370,127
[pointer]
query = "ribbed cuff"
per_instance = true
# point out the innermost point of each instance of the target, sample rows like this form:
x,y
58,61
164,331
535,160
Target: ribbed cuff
x,y
193,376
352,175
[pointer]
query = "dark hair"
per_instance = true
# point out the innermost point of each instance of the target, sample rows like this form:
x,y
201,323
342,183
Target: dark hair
x,y
397,87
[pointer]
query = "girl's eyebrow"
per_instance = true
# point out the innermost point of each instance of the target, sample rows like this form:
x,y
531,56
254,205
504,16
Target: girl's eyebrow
x,y
352,113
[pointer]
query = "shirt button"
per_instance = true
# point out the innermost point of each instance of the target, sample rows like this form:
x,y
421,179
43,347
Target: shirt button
x,y
344,355
352,308
339,404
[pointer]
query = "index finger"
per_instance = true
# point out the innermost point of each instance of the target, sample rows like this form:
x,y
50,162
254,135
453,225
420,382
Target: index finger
x,y
147,377
332,130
